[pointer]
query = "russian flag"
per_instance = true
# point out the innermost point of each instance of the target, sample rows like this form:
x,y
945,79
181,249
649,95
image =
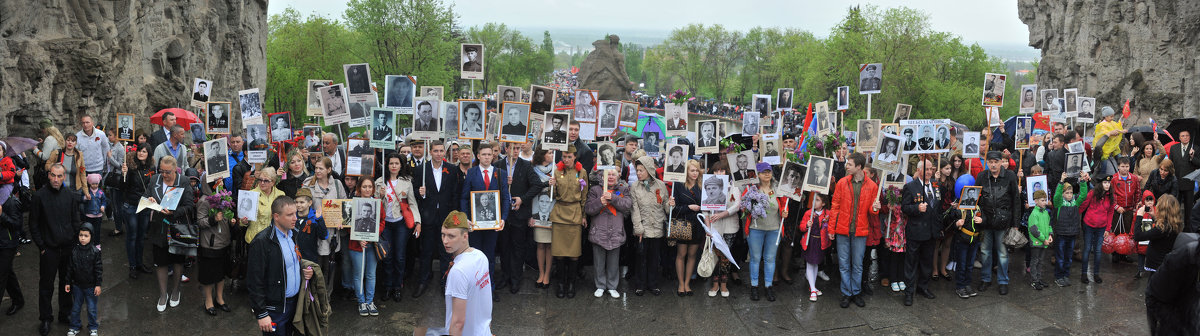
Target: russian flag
x,y
810,128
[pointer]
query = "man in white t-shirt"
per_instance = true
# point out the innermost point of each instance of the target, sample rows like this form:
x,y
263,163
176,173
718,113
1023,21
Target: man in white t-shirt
x,y
468,285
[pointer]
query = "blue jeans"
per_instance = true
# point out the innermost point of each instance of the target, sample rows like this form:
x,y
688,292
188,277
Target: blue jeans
x,y
850,255
81,295
1092,239
993,242
762,249
135,235
393,265
964,260
1064,247
364,277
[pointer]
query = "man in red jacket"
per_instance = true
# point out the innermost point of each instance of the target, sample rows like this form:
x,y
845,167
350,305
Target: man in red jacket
x,y
854,198
1126,192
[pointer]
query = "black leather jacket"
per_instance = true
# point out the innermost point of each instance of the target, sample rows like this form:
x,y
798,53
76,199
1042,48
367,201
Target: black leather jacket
x,y
265,278
1000,201
86,268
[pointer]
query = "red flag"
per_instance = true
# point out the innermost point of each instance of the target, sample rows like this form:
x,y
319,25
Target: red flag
x,y
807,121
1125,110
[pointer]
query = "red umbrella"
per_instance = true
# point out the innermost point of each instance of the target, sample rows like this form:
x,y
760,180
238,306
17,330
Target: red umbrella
x,y
183,117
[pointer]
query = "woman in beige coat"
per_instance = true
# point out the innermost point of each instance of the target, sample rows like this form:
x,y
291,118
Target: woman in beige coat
x,y
649,215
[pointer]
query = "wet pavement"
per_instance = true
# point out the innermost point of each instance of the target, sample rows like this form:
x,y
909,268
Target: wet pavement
x,y
1112,308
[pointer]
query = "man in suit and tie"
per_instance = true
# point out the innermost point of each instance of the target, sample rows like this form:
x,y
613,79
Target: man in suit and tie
x,y
524,185
437,189
161,135
920,203
1186,161
485,176
708,135
425,122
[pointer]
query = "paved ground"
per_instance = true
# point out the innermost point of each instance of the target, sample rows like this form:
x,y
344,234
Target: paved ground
x,y
1115,307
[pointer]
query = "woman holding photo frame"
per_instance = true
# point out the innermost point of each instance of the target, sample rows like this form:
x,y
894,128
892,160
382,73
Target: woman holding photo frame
x,y
543,166
364,256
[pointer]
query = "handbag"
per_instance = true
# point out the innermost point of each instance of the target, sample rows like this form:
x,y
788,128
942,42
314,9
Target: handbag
x,y
681,229
1014,238
183,238
708,259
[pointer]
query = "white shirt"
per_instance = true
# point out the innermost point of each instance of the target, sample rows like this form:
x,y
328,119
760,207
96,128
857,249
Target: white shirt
x,y
337,162
485,171
437,176
469,280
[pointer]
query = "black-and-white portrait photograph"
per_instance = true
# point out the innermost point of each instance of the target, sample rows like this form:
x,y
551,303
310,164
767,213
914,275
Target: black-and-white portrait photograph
x,y
401,93
493,126
247,204
1028,98
554,131
893,129
770,123
515,121
832,122
250,101
629,114
750,122
125,126
606,155
1071,100
887,157
741,167
713,192
470,119
970,145
360,112
843,98
820,114
586,105
925,141
675,167
1032,185
870,78
358,78
333,105
471,56
791,180
200,91
218,117
314,96
450,120
216,159
820,171
762,104
437,92
771,151
1087,110
868,139
706,137
1050,104
1022,132
542,99
312,136
198,132
358,147
542,206
257,137
969,199
281,126
909,133
485,208
993,89
366,219
783,99
651,143
508,93
383,128
610,115
676,118
943,138
426,121
1075,147
903,111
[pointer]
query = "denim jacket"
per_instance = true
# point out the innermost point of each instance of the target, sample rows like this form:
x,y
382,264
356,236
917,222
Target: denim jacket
x,y
92,206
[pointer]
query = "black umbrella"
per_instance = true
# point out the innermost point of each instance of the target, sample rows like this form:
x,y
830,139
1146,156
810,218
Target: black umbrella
x,y
1183,124
1147,133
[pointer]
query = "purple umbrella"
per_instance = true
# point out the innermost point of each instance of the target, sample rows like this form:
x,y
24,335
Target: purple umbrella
x,y
17,145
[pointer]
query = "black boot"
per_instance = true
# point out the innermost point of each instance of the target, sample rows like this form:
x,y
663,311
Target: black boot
x,y
560,287
569,277
754,293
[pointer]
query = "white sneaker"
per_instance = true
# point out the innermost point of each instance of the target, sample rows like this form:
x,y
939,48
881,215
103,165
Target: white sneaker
x,y
72,332
812,296
950,266
895,286
614,294
902,286
599,292
94,333
822,275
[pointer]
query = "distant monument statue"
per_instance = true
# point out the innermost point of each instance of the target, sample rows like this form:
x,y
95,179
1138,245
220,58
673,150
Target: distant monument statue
x,y
604,70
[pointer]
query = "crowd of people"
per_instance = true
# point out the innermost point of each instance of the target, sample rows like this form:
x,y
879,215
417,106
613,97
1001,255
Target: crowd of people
x,y
641,229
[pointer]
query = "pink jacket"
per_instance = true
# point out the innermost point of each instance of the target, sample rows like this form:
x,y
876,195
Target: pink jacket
x,y
1097,214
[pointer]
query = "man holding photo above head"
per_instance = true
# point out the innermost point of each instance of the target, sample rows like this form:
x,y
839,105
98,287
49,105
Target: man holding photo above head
x,y
1000,206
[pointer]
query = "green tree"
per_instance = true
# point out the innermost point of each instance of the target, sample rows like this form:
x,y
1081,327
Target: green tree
x,y
407,37
512,58
300,49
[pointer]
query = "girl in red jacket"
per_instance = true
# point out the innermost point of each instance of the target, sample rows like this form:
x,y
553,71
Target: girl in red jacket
x,y
815,227
1097,211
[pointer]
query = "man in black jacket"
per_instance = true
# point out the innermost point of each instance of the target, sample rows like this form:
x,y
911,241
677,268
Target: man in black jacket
x,y
999,204
53,220
438,192
524,185
920,204
273,274
1183,155
161,135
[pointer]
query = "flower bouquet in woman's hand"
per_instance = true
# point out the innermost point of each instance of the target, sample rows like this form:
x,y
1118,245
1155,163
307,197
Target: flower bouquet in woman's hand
x,y
221,201
755,202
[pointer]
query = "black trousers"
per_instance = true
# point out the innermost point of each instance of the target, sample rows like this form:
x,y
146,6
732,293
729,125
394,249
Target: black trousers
x,y
918,260
649,252
513,241
431,245
53,262
8,279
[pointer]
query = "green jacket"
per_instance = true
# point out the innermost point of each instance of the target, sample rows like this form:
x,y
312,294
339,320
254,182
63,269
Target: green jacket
x,y
1039,227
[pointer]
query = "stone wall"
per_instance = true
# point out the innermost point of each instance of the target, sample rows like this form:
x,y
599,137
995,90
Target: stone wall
x,y
1144,50
60,59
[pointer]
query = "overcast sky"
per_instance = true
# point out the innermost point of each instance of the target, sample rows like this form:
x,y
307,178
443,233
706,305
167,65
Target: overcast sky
x,y
977,21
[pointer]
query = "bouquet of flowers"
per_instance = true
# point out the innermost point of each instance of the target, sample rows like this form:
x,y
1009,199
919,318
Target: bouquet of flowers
x,y
680,97
892,195
221,201
818,145
755,202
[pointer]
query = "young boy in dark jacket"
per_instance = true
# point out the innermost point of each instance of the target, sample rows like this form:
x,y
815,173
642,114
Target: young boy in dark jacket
x,y
310,226
84,275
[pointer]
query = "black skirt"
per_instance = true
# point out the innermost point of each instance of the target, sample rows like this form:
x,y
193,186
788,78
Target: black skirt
x,y
213,265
